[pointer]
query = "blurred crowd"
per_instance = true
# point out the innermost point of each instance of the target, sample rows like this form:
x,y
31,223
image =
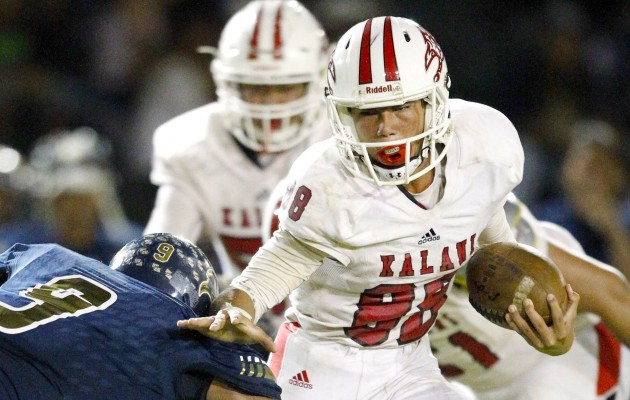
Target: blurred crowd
x,y
104,74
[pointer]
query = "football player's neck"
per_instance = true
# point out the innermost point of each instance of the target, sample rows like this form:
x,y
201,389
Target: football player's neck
x,y
421,183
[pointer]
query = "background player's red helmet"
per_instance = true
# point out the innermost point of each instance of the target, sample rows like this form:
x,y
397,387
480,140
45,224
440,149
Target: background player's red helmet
x,y
171,264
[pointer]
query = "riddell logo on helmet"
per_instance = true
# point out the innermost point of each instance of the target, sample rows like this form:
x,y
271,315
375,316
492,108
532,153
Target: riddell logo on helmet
x,y
378,89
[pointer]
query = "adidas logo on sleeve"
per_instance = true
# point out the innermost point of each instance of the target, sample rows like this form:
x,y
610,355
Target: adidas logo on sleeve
x,y
301,380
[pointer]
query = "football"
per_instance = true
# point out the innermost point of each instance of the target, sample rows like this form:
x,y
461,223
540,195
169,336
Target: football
x,y
505,273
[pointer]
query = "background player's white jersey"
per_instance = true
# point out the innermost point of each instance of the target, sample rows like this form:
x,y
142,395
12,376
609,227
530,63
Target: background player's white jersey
x,y
498,364
209,185
391,261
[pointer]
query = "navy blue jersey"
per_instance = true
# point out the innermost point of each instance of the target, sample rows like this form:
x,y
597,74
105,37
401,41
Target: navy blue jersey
x,y
72,328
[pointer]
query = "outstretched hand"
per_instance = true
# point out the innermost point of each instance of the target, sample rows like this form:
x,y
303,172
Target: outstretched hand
x,y
555,339
230,326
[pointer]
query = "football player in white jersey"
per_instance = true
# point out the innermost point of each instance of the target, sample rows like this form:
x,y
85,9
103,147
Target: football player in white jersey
x,y
375,224
216,165
498,365
496,362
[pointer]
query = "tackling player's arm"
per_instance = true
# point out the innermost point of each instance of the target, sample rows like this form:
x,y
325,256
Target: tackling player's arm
x,y
604,290
281,265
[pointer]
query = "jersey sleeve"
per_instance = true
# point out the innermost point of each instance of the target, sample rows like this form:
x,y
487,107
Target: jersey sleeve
x,y
175,212
317,184
175,153
488,138
277,268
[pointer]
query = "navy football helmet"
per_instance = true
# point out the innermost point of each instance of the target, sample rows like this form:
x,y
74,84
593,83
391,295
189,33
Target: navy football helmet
x,y
171,264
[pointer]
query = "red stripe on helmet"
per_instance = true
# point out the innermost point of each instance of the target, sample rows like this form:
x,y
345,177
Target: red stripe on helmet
x,y
365,59
253,42
277,36
389,54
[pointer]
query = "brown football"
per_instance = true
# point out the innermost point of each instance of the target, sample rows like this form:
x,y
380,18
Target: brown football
x,y
504,273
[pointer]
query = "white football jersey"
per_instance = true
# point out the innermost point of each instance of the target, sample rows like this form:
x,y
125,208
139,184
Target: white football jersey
x,y
498,364
390,261
208,185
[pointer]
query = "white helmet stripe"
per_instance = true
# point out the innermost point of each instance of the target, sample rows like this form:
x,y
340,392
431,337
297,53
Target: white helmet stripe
x,y
389,54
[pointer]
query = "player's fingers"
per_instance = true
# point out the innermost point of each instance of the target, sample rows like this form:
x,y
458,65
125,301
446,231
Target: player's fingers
x,y
574,299
220,319
520,325
572,308
255,333
557,315
196,323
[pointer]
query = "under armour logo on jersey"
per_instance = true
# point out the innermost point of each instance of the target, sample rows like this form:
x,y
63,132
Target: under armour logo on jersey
x,y
430,236
301,380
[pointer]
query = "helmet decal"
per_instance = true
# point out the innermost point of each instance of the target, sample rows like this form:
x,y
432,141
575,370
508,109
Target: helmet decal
x,y
434,51
331,71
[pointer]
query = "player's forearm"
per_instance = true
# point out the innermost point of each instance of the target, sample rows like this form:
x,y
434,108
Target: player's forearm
x,y
619,251
277,268
603,289
498,230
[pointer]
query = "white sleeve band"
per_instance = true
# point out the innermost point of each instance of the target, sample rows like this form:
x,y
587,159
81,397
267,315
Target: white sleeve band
x,y
278,267
497,230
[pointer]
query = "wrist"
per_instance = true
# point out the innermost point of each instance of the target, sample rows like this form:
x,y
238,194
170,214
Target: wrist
x,y
231,309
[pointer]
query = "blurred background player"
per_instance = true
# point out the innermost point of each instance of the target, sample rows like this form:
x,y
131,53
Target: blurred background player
x,y
498,365
73,188
216,165
594,203
73,327
14,201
